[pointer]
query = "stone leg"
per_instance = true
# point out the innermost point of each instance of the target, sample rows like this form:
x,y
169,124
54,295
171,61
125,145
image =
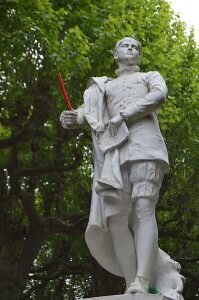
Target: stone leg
x,y
146,237
124,248
146,178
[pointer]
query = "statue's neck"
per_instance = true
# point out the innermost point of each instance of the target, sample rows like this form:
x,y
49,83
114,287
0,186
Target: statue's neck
x,y
127,70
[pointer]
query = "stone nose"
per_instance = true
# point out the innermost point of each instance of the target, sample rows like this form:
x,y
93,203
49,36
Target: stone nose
x,y
130,47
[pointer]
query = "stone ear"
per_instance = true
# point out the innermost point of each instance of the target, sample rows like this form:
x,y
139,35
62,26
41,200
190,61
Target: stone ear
x,y
115,55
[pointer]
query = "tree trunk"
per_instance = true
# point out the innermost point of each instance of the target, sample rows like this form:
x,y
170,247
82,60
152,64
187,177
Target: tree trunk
x,y
104,283
16,258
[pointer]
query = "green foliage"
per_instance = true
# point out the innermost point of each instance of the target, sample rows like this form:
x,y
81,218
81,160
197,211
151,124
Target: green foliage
x,y
46,172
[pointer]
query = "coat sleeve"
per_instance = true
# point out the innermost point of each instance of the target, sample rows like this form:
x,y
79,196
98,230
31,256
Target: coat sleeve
x,y
93,102
157,92
80,116
92,111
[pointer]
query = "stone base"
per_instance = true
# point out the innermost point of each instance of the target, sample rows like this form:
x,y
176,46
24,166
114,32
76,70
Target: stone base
x,y
131,297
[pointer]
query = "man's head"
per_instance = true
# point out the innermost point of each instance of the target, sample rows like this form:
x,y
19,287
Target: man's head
x,y
127,52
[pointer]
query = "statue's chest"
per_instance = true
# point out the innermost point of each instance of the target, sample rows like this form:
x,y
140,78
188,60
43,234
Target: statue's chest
x,y
126,86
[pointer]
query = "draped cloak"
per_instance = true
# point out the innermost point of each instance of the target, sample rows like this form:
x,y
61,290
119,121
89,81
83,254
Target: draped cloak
x,y
165,276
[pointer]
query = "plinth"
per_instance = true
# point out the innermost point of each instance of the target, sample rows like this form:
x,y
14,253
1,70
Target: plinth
x,y
131,297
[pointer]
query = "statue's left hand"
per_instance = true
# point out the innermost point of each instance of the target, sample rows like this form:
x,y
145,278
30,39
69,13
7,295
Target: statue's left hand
x,y
113,124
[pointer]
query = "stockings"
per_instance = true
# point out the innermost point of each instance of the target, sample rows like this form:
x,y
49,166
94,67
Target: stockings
x,y
135,255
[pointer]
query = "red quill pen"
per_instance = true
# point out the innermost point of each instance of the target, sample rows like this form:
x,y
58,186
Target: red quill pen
x,y
64,92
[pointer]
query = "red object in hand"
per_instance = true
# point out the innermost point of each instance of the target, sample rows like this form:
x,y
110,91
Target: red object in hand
x,y
64,92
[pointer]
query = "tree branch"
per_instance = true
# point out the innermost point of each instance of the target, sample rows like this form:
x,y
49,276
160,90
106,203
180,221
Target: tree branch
x,y
187,259
54,225
48,168
11,141
170,233
193,275
29,208
67,269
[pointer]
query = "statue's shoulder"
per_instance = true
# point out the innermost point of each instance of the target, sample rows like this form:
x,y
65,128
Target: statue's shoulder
x,y
150,76
149,73
99,81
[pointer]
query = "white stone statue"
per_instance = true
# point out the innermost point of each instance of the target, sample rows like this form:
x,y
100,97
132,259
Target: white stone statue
x,y
130,160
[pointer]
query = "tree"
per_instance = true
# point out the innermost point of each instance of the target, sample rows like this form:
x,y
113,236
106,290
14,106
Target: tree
x,y
46,172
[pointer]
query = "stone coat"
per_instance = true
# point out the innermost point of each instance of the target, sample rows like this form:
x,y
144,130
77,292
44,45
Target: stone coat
x,y
139,95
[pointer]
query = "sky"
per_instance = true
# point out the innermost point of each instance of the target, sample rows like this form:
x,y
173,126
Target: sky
x,y
189,13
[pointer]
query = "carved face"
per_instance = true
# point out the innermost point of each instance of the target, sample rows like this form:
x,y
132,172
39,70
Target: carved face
x,y
127,52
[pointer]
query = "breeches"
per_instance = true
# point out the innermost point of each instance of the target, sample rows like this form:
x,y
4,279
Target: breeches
x,y
143,180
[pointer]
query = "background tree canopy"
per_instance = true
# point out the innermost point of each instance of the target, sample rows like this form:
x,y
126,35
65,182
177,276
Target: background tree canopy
x,y
46,172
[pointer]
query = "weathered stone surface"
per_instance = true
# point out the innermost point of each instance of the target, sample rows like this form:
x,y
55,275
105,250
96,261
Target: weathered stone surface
x,y
130,297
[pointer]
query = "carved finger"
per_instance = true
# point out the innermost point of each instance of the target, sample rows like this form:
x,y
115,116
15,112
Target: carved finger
x,y
116,130
70,119
111,129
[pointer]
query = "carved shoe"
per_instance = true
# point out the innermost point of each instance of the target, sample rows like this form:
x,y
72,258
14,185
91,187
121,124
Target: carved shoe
x,y
137,287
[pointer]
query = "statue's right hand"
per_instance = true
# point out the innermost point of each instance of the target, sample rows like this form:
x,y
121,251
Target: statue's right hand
x,y
69,119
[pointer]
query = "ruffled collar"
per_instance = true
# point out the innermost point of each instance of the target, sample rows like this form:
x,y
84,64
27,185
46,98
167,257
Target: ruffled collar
x,y
127,70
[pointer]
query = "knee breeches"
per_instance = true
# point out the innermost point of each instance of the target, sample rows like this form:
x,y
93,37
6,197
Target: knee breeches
x,y
146,179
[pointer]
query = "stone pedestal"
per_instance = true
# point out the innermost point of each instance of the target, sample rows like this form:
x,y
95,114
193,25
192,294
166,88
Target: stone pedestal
x,y
130,297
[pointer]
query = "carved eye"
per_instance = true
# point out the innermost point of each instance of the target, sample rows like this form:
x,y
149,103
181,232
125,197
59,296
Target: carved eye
x,y
134,47
125,45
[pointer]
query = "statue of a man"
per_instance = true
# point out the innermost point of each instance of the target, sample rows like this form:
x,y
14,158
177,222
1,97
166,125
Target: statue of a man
x,y
130,160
